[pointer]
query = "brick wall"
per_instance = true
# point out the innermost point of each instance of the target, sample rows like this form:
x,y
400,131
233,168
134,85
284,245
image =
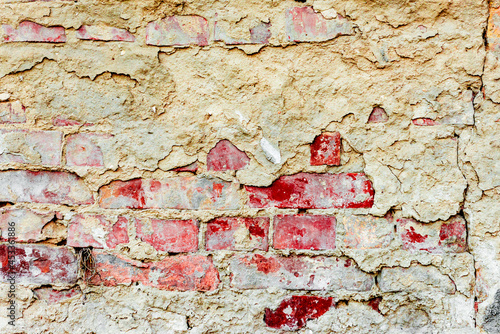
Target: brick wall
x,y
198,167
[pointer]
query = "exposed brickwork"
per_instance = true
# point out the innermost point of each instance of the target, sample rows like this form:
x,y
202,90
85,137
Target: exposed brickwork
x,y
33,32
28,224
97,231
101,33
178,30
33,147
298,273
237,233
304,232
173,273
317,191
83,149
175,236
325,149
226,156
12,112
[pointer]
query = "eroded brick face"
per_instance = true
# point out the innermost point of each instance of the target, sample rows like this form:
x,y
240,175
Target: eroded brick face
x,y
183,273
237,233
316,191
325,149
101,33
178,30
177,236
32,32
293,313
225,156
304,232
97,231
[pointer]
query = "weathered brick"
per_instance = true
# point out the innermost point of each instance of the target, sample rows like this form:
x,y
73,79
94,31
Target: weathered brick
x,y
226,156
12,112
31,147
189,168
190,272
493,30
43,187
104,33
97,231
378,115
84,149
33,32
169,235
438,237
28,224
53,296
416,278
325,149
316,191
237,233
424,122
298,273
177,193
293,312
38,264
260,34
303,24
304,232
62,121
365,232
178,30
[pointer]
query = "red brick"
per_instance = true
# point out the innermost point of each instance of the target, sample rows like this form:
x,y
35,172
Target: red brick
x,y
52,296
226,156
12,112
424,122
293,312
175,236
189,168
315,191
61,121
104,33
28,224
43,187
438,237
303,24
325,149
31,147
176,193
84,149
33,32
178,30
493,30
378,115
183,273
367,232
97,231
38,264
237,233
304,232
297,273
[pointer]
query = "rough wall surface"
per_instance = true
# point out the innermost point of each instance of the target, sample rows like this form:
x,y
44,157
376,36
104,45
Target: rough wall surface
x,y
327,166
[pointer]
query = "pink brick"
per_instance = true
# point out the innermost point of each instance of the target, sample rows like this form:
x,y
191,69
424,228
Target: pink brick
x,y
226,156
43,187
104,33
38,264
260,34
84,149
378,115
176,193
33,32
325,149
303,24
237,233
53,296
97,231
189,168
367,232
61,121
183,273
297,273
178,30
438,237
28,224
31,147
12,112
304,232
424,122
293,313
175,236
315,191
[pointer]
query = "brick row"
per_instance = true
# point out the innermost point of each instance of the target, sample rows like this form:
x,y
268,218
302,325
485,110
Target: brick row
x,y
302,24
